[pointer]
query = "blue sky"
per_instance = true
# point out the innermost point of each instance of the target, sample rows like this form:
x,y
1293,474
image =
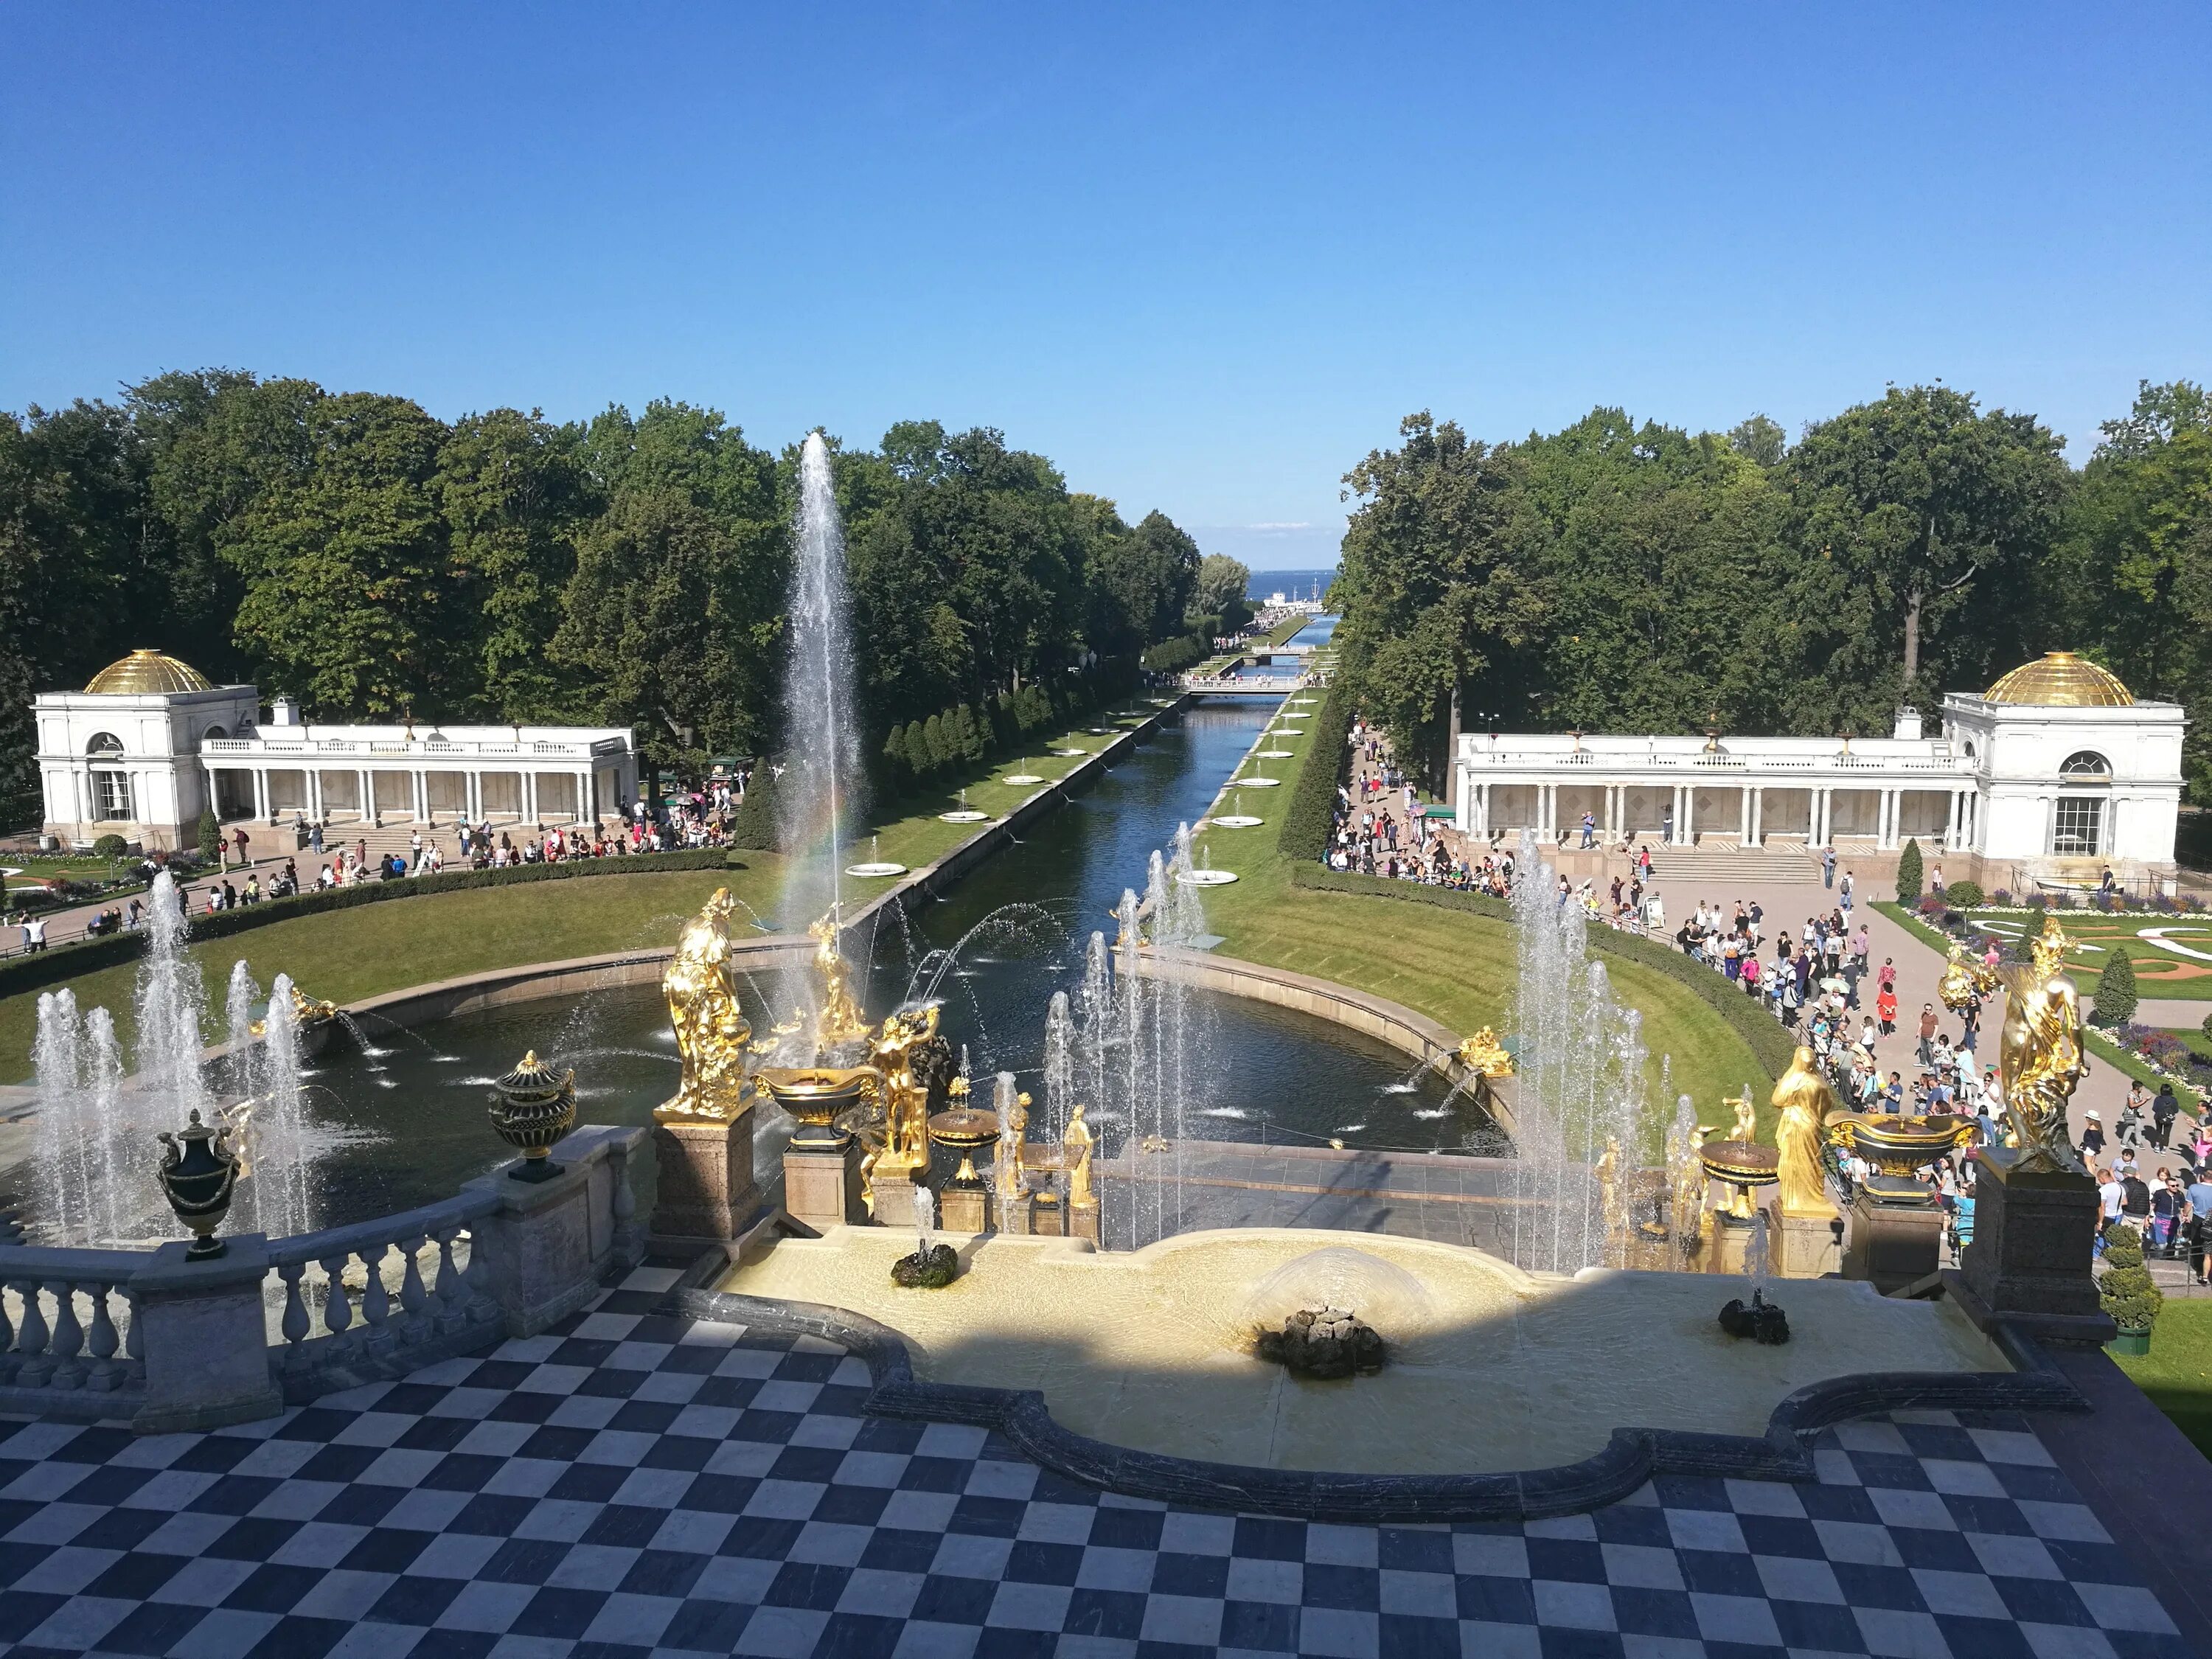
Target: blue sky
x,y
1204,257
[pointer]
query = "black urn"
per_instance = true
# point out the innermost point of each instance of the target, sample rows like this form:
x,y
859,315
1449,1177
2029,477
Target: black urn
x,y
199,1172
533,1107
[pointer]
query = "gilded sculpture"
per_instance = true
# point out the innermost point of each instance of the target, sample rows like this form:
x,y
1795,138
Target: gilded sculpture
x,y
1747,1118
711,1032
1075,1159
1483,1053
2039,1050
900,1052
839,1019
1802,1101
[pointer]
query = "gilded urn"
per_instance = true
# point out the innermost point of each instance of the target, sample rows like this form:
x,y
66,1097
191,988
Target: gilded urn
x,y
815,1095
1744,1166
1896,1145
533,1107
199,1172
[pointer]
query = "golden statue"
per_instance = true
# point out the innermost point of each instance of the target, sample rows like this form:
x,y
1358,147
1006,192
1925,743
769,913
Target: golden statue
x,y
1075,1159
1802,1101
711,1032
2040,1051
903,1095
1690,1184
1012,1145
1747,1118
840,1019
1610,1209
1482,1052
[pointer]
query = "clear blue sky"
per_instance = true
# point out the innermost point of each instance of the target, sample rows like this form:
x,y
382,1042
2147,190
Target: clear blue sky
x,y
1205,256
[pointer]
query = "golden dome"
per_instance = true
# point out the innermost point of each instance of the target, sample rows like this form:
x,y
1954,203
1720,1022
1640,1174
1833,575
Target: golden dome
x,y
145,672
2059,679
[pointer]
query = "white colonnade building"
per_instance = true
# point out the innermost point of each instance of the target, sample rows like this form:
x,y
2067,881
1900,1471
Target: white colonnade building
x,y
150,744
2054,773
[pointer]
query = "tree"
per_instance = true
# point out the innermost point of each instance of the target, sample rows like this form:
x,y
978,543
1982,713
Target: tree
x,y
975,741
917,750
897,777
932,736
1759,441
1909,873
1907,512
1218,593
346,568
2125,1288
2116,989
211,835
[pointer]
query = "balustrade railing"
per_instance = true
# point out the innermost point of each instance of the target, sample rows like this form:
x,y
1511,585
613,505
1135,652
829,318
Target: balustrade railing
x,y
66,1326
402,1307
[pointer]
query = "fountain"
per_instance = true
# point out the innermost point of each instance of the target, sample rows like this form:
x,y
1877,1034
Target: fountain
x,y
964,814
1238,819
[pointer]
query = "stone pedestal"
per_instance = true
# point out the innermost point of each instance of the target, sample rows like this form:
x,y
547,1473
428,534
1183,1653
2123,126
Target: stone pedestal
x,y
201,1329
1048,1215
1083,1221
963,1206
822,1183
548,1243
1728,1243
1897,1237
706,1192
2029,1262
1808,1246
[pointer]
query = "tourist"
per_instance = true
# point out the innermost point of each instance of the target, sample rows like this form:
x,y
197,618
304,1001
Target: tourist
x,y
2131,1114
34,933
315,838
2167,1205
1935,881
1928,1024
1843,895
2198,1223
2111,1195
1590,830
2093,1137
1828,867
2163,1110
240,837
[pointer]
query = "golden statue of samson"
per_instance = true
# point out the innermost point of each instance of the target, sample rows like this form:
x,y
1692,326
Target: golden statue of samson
x,y
711,1032
2039,1050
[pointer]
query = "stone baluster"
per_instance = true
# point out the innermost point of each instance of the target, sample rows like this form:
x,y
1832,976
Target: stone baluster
x,y
337,1315
477,1278
377,1336
7,1338
295,1324
412,1296
67,1338
33,1367
453,1296
134,1342
101,1341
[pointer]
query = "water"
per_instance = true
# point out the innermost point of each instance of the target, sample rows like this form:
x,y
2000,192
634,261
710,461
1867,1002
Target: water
x,y
817,794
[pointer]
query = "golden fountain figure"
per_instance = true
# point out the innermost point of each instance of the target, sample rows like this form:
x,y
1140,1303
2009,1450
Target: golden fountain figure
x,y
1483,1053
2039,1052
1802,1102
840,1019
1075,1156
711,1032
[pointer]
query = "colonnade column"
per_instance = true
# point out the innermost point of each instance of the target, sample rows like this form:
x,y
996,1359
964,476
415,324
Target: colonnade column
x,y
1685,821
472,796
1744,828
1816,827
1482,808
1757,817
588,796
366,797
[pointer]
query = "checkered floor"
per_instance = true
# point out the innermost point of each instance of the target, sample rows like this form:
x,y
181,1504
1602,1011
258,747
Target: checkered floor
x,y
639,1486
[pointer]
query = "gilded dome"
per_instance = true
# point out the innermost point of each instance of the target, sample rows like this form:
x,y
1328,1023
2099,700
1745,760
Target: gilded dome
x,y
2059,679
148,671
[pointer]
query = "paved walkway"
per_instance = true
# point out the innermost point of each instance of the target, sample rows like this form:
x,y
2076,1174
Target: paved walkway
x,y
640,1487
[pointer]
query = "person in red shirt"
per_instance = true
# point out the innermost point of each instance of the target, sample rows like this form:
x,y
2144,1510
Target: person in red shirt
x,y
1884,1009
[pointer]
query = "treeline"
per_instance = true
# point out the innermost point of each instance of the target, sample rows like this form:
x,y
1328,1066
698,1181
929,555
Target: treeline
x,y
1623,578
354,550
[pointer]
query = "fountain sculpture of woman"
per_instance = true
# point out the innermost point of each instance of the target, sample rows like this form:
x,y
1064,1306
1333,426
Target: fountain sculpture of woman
x,y
1075,1156
711,1032
840,1019
1802,1101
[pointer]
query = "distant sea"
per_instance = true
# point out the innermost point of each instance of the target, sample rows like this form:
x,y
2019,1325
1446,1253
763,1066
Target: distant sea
x,y
1298,584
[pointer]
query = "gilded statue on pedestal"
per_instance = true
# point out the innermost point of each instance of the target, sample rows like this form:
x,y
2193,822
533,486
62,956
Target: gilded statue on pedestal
x,y
1483,1053
711,1032
901,1053
1075,1159
1802,1101
2040,1051
840,1019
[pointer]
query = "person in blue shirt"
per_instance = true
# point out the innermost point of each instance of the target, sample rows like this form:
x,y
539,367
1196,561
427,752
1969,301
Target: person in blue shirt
x,y
2200,1222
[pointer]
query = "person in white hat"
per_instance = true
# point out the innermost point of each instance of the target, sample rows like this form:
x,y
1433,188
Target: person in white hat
x,y
2093,1138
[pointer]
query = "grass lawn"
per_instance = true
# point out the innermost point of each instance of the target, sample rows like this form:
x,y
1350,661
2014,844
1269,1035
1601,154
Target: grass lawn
x,y
2160,972
2177,1372
1456,969
346,955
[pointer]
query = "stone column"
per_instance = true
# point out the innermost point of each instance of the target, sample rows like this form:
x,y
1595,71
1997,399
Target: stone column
x,y
201,1329
1743,836
1757,817
1684,824
261,794
2029,1260
705,1191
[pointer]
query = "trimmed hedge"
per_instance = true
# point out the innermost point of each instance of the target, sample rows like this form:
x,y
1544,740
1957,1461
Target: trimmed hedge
x,y
1770,1042
1312,815
20,974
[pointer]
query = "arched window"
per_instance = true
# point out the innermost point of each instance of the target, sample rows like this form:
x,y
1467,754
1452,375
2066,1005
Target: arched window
x,y
2086,763
104,742
213,732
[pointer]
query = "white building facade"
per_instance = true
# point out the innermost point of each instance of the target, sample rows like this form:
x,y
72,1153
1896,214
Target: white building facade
x,y
2052,773
150,744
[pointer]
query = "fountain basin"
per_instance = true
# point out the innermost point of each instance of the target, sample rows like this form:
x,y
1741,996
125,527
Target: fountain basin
x,y
1153,1350
1235,821
1276,754
876,868
1256,783
1023,780
1071,752
966,815
1207,877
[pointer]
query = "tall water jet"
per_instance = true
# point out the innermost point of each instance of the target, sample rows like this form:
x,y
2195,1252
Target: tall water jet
x,y
817,794
1059,1064
170,1001
238,1000
67,1169
284,1196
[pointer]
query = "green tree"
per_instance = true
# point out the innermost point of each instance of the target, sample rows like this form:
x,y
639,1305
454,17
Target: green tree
x,y
896,777
1909,873
917,750
1759,441
1219,594
2125,1288
1920,517
211,835
346,568
975,742
2116,990
933,735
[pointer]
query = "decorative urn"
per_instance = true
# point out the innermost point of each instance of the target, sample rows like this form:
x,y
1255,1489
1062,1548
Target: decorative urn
x,y
198,1177
815,1095
1745,1165
531,1108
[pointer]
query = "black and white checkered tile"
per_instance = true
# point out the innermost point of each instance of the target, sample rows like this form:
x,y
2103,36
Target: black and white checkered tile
x,y
640,1487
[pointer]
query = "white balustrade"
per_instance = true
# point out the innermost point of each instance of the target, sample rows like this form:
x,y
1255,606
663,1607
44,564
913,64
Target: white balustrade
x,y
59,1330
327,1321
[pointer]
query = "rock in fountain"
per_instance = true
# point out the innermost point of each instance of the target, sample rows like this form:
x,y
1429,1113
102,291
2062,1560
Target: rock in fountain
x,y
1324,1344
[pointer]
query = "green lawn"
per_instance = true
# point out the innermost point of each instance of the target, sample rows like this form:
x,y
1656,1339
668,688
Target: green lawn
x,y
347,955
2159,972
1456,969
2177,1372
